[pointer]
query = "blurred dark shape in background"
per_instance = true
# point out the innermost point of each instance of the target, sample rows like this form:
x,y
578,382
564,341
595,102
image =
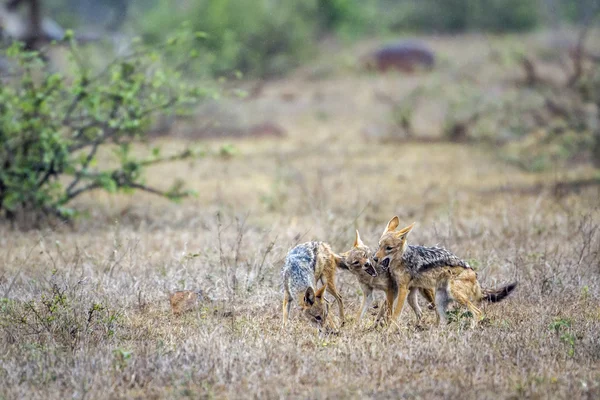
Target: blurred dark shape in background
x,y
404,56
28,21
264,39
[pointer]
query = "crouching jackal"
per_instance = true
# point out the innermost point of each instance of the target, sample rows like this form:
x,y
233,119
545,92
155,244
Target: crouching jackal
x,y
372,276
304,266
432,268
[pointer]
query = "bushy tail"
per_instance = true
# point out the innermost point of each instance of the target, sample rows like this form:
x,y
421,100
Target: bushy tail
x,y
496,295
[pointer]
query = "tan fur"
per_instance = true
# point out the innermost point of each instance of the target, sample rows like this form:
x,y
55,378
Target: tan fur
x,y
183,301
357,260
317,309
461,283
326,265
325,270
449,282
313,306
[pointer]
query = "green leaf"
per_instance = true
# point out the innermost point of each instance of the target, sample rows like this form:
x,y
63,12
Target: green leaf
x,y
108,183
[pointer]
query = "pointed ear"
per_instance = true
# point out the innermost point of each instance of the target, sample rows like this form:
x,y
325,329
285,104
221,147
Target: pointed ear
x,y
405,231
392,225
309,296
320,292
357,241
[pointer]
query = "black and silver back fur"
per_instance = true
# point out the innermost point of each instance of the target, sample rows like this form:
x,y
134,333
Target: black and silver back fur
x,y
418,259
299,268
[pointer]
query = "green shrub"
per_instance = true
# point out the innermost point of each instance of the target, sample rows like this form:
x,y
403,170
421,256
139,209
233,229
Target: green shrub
x,y
350,18
504,15
53,127
256,37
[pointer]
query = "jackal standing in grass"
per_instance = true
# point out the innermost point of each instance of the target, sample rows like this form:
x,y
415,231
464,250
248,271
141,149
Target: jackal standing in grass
x,y
432,268
372,276
305,265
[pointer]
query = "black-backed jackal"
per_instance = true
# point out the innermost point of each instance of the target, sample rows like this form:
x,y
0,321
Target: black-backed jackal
x,y
305,265
372,277
432,268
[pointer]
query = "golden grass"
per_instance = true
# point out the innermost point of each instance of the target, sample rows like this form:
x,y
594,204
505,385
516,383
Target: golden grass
x,y
321,182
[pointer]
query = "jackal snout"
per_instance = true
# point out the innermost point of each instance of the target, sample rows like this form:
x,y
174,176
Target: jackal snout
x,y
392,243
359,258
370,268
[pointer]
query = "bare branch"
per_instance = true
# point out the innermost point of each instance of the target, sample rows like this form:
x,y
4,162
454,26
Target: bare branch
x,y
72,195
175,157
579,52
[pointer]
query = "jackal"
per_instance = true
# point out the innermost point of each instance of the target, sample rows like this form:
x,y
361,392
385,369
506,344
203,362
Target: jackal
x,y
432,268
304,266
372,276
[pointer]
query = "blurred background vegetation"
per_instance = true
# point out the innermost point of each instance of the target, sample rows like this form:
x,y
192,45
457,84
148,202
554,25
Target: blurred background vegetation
x,y
266,38
539,106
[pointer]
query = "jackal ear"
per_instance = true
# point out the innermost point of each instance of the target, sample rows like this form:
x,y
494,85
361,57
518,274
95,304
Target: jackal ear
x,y
357,241
405,231
309,296
320,292
392,225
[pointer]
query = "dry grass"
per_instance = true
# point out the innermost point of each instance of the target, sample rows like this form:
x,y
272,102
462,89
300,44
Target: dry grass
x,y
85,312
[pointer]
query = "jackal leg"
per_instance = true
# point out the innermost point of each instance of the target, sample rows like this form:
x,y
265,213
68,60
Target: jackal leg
x,y
459,291
332,289
414,304
402,294
442,299
367,300
429,295
387,306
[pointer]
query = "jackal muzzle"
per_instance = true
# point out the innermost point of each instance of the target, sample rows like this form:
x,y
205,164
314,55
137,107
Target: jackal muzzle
x,y
370,269
385,263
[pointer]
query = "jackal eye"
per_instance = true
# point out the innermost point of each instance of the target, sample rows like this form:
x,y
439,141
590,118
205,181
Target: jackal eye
x,y
388,248
318,317
356,263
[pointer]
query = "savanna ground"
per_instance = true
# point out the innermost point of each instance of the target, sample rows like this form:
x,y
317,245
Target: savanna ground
x,y
85,309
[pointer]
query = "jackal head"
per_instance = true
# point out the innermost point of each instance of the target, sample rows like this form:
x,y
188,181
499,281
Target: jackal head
x,y
315,307
392,243
358,259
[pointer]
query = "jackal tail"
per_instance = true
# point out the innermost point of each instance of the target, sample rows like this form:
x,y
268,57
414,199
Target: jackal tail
x,y
496,295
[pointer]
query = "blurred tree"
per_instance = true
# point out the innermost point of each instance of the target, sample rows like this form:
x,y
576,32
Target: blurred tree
x,y
53,127
27,29
463,15
25,21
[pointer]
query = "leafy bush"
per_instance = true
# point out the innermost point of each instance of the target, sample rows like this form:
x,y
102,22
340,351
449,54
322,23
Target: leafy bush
x,y
259,38
574,11
254,37
349,18
53,127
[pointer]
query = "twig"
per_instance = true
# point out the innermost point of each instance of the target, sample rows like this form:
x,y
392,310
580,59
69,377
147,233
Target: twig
x,y
12,282
269,248
531,76
580,50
